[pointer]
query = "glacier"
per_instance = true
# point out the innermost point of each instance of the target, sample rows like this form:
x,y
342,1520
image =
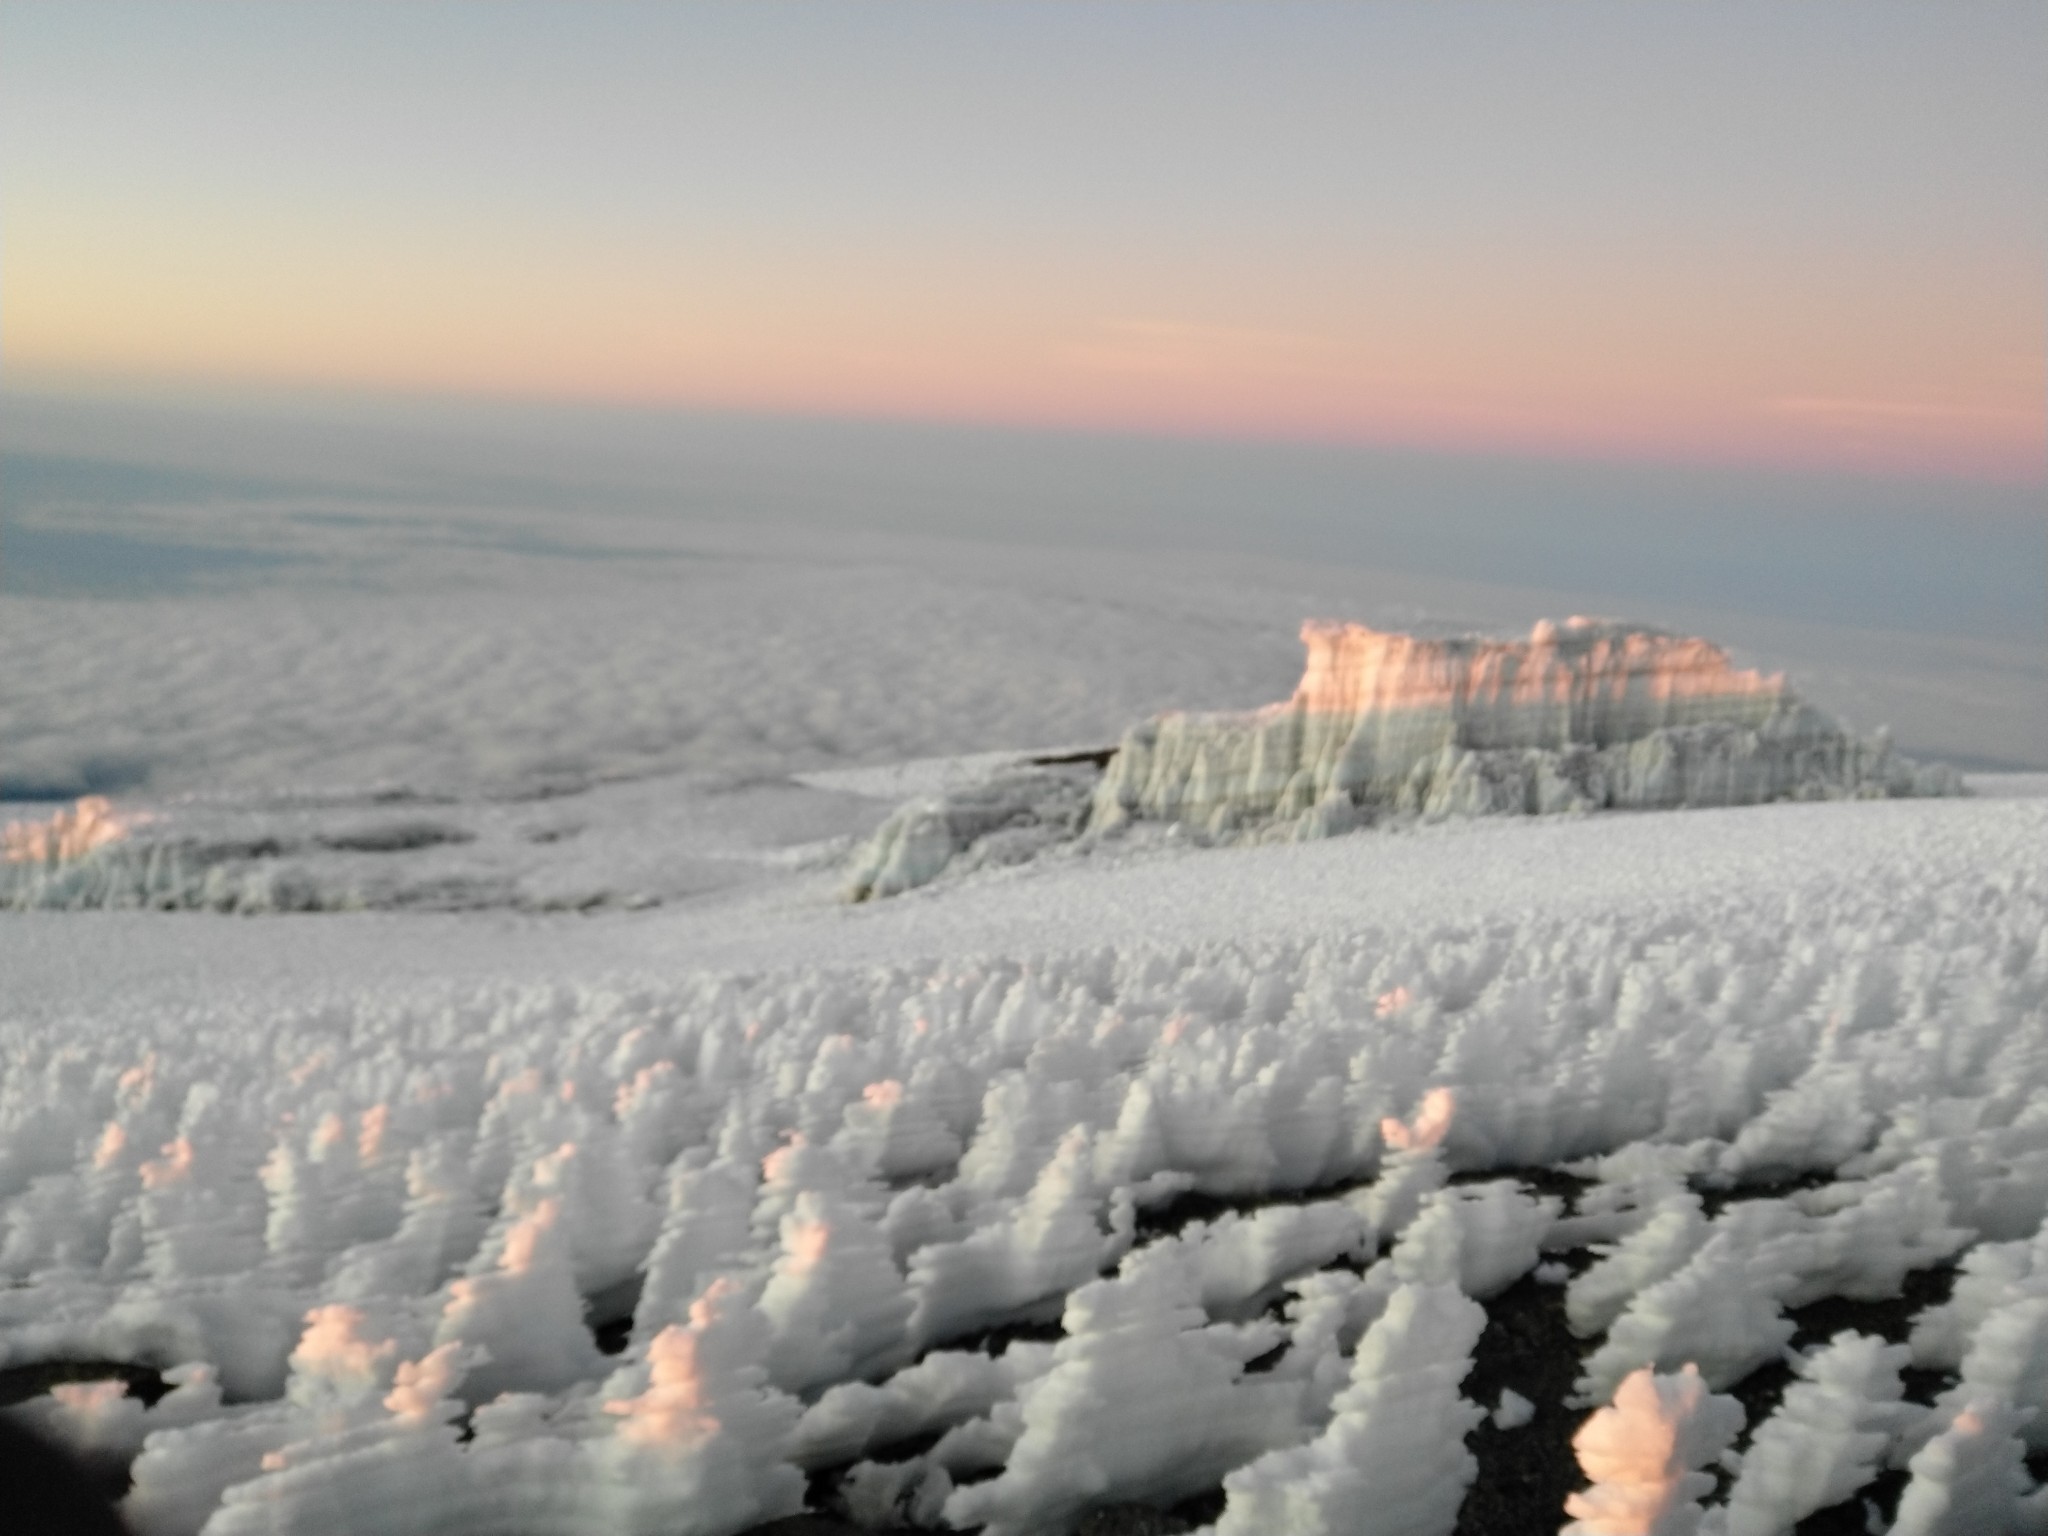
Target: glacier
x,y
1581,716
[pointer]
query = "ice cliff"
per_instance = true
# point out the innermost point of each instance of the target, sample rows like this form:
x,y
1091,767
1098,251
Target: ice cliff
x,y
1580,716
1583,715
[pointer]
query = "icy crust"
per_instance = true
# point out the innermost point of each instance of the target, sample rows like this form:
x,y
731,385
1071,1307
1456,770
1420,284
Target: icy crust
x,y
800,1199
1585,715
629,844
1016,813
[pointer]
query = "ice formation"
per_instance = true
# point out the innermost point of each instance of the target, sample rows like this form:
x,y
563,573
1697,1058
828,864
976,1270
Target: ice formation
x,y
1581,716
101,1423
1715,1292
1969,1480
1643,1454
1481,1238
346,1223
1514,1410
2008,1363
1145,1403
69,834
1826,1440
1723,1313
1392,1461
1991,1276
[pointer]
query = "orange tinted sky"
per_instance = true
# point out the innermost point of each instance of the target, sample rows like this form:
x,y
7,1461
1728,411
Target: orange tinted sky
x,y
1810,236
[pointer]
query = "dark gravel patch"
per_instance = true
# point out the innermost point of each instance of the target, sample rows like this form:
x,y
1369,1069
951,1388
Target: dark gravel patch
x,y
1525,1473
1716,1198
993,1341
394,837
608,1314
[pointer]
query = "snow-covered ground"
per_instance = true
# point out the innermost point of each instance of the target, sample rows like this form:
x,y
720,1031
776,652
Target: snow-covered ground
x,y
1152,1174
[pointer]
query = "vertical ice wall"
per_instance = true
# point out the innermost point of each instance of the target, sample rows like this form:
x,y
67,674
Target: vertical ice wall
x,y
1579,716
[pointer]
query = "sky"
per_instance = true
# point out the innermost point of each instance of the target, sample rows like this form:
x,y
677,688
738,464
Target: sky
x,y
1804,238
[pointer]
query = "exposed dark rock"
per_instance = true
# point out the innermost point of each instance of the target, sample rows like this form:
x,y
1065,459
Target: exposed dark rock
x,y
394,837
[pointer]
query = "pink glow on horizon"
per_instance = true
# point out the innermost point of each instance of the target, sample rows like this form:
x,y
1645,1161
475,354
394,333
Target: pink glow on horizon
x,y
1713,239
2005,446
1625,374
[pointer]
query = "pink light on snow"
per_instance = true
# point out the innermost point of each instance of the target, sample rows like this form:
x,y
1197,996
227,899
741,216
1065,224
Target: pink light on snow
x,y
89,1399
1642,1452
333,1347
431,1379
71,833
886,1094
375,1121
330,1133
1428,1128
671,1413
776,1164
805,1243
161,1173
523,1241
1582,664
134,1085
113,1141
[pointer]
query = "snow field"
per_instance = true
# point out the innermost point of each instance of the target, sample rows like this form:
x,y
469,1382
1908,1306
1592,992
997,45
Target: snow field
x,y
374,1234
